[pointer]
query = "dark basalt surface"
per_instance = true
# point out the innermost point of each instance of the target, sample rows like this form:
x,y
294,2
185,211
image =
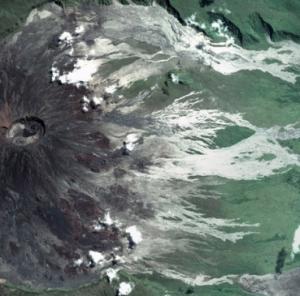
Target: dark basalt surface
x,y
48,194
274,285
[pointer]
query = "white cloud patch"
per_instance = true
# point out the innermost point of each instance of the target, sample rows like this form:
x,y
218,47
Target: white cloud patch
x,y
134,234
296,243
97,257
125,289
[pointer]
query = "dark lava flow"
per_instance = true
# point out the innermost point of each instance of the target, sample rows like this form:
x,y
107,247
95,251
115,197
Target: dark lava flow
x,y
50,156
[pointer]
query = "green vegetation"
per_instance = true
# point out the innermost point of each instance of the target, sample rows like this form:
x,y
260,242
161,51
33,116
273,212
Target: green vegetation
x,y
256,21
273,202
232,135
13,14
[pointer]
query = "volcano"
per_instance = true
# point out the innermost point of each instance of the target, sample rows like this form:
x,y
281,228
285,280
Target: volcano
x,y
52,157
